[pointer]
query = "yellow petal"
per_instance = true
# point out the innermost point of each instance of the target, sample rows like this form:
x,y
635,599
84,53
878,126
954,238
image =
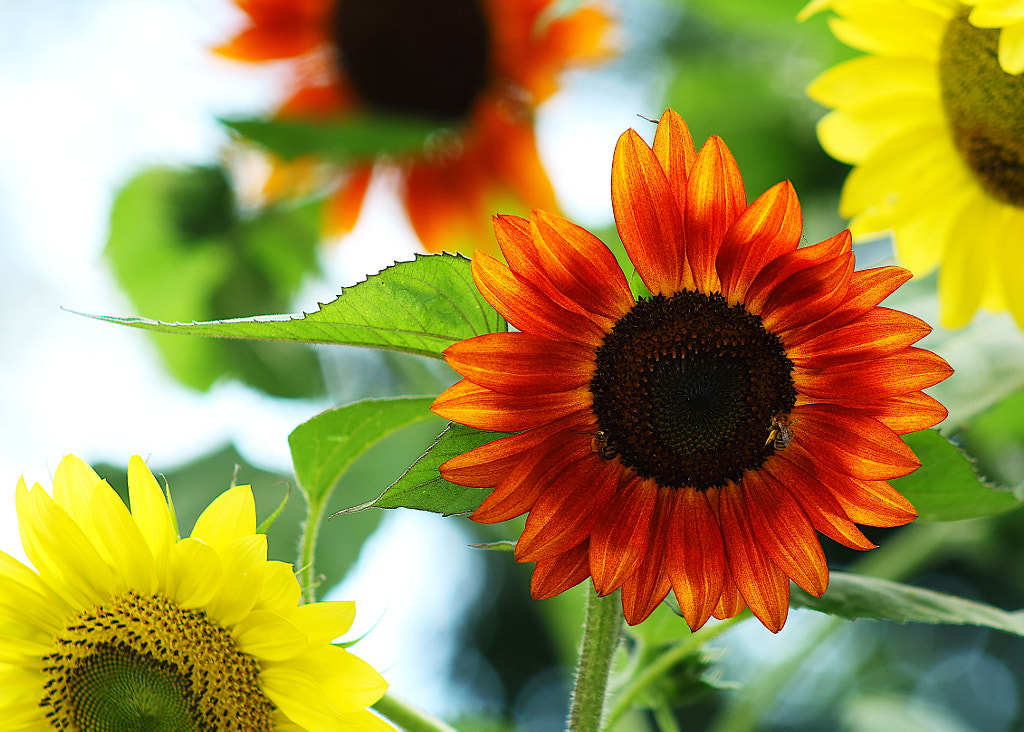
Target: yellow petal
x,y
853,133
243,561
193,573
280,589
995,14
968,263
64,556
325,621
1011,48
151,512
231,516
892,28
124,544
269,636
23,596
349,682
867,78
73,481
299,696
1010,255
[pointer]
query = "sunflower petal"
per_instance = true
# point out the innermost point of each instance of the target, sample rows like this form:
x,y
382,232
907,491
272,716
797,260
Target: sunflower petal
x,y
619,541
646,214
695,557
477,406
765,587
644,590
554,575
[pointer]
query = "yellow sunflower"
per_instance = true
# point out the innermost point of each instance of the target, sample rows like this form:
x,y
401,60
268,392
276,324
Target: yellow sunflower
x,y
935,129
1009,16
124,626
481,66
693,441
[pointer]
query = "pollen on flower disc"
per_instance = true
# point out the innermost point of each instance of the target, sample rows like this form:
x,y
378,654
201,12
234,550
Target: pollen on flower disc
x,y
143,663
414,57
686,388
984,107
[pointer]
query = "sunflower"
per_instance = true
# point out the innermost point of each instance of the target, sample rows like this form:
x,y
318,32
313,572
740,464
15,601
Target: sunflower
x,y
1009,17
935,128
695,439
481,66
124,626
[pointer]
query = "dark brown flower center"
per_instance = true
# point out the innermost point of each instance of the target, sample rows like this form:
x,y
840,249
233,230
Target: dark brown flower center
x,y
984,107
421,57
686,388
143,663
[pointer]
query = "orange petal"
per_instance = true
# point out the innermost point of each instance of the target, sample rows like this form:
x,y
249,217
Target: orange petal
x,y
673,146
487,465
878,332
874,503
910,370
564,515
475,406
715,198
648,220
765,588
580,266
555,575
644,590
868,287
851,443
695,557
526,307
522,363
902,413
732,603
785,531
809,294
620,537
344,206
778,271
536,472
822,508
770,227
270,43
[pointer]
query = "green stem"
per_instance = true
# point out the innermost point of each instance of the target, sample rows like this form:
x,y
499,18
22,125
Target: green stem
x,y
664,663
602,630
307,550
408,717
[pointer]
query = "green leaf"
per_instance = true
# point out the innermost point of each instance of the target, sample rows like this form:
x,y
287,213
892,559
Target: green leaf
x,y
419,307
853,596
324,447
946,487
423,488
179,246
354,138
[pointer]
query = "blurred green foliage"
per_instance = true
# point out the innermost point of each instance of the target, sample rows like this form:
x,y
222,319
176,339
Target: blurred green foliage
x,y
181,249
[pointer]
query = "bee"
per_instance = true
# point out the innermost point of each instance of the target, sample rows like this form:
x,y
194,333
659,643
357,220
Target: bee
x,y
781,432
599,444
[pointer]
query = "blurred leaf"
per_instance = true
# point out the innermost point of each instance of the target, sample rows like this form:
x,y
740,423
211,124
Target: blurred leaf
x,y
946,487
179,247
853,596
324,447
422,486
350,139
419,307
995,438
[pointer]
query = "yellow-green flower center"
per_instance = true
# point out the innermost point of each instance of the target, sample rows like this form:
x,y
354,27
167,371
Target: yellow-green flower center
x,y
144,664
984,107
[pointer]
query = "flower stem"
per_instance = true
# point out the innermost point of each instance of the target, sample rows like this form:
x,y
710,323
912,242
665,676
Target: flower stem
x,y
664,663
307,550
602,630
408,717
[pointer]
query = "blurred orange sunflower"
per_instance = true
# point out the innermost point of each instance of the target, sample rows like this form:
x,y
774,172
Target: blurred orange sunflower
x,y
693,440
481,66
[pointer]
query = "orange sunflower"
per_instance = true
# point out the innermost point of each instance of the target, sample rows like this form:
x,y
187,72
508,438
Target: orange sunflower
x,y
481,66
695,439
